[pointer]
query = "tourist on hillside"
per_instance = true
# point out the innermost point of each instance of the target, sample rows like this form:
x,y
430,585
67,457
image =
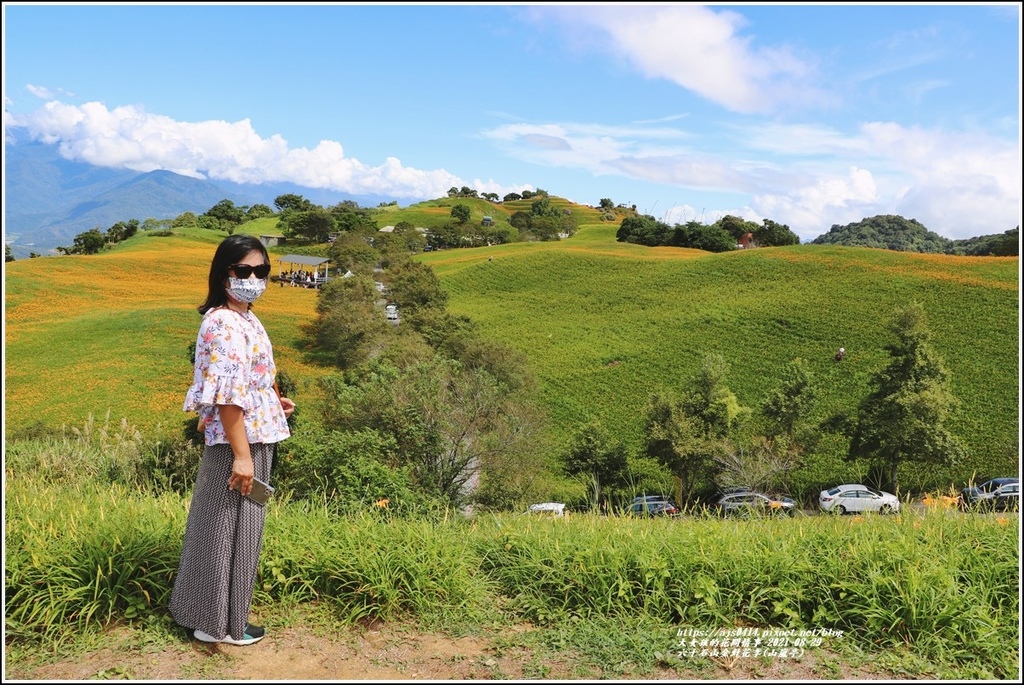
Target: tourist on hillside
x,y
242,418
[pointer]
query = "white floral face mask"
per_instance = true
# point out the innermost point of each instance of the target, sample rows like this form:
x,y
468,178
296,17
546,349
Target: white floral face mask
x,y
246,290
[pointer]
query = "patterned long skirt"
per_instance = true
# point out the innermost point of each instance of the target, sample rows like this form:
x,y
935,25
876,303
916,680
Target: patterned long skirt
x,y
220,556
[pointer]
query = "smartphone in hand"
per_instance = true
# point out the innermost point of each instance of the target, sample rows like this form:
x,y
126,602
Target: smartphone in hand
x,y
260,492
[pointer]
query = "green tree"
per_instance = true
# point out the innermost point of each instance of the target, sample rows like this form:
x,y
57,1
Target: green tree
x,y
8,257
446,236
790,402
315,225
447,421
406,239
903,417
643,230
227,213
349,328
87,242
886,231
710,400
351,252
772,234
351,218
292,202
678,442
700,236
511,197
207,222
460,213
601,460
606,204
122,230
521,220
184,219
735,226
258,211
152,224
546,227
414,286
541,206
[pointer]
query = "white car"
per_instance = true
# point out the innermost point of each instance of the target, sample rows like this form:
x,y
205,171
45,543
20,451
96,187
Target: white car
x,y
856,499
552,508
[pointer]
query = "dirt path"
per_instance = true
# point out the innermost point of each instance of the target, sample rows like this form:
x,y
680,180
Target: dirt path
x,y
393,653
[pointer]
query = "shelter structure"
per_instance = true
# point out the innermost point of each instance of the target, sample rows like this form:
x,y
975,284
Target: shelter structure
x,y
303,270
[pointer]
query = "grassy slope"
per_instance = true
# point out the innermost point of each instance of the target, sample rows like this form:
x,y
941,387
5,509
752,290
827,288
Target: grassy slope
x,y
110,332
604,324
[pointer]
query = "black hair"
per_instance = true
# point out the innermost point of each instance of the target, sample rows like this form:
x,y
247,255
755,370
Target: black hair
x,y
231,250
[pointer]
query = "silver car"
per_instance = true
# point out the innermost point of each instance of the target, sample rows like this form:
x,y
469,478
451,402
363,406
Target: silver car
x,y
746,504
856,499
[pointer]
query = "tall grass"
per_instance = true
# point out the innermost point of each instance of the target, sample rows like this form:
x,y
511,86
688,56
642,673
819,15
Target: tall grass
x,y
82,552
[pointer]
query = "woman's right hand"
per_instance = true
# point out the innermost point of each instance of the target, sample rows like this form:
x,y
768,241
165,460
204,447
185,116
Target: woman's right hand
x,y
242,473
288,406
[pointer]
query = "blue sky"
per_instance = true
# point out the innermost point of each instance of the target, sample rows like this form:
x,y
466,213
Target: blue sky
x,y
809,115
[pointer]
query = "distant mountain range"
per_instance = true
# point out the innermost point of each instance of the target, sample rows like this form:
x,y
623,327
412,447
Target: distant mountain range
x,y
48,200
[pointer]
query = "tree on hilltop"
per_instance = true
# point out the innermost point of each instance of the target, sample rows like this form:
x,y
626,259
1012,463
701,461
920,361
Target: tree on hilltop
x,y
772,234
735,226
886,231
291,201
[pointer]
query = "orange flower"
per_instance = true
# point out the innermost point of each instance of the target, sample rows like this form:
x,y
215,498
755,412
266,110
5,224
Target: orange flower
x,y
382,503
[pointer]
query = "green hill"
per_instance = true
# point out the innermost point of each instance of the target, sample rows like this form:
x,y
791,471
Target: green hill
x,y
603,324
892,232
603,329
435,213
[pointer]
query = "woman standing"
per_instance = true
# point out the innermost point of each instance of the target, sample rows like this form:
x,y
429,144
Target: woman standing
x,y
242,418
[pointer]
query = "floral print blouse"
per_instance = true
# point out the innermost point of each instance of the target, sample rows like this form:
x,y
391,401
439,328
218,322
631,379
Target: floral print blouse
x,y
234,364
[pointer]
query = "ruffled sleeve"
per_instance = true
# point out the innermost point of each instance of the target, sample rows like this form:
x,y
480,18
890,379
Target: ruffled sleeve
x,y
222,364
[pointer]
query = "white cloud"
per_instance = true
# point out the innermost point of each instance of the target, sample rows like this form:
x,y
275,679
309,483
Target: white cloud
x,y
811,210
40,91
696,48
596,148
129,137
807,176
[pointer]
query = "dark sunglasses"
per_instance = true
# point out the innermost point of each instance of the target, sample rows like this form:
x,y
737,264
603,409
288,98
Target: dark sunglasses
x,y
244,270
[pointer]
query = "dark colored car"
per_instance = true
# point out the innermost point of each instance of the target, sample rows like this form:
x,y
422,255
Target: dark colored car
x,y
1004,498
969,496
652,505
748,503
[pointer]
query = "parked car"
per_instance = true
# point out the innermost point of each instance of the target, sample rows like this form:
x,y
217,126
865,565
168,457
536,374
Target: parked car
x,y
748,503
856,499
652,505
549,508
969,496
1004,498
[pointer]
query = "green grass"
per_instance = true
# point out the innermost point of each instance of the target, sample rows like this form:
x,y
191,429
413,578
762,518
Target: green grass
x,y
603,331
936,586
